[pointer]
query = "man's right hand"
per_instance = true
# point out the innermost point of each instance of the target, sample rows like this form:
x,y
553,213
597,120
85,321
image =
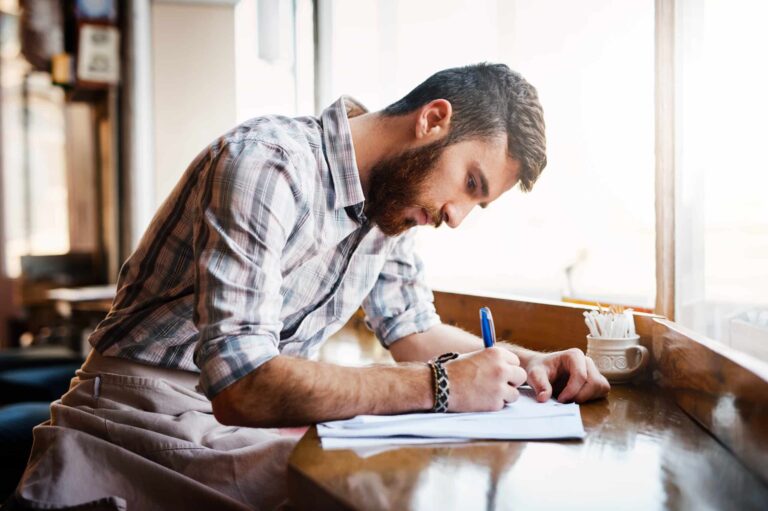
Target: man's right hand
x,y
484,380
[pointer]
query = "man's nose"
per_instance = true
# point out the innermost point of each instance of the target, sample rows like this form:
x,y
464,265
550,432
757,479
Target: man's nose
x,y
455,214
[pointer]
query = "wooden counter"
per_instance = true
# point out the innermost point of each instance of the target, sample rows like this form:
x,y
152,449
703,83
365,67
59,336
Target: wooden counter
x,y
642,451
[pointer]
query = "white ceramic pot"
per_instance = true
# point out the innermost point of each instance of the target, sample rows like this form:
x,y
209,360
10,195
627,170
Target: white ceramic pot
x,y
618,360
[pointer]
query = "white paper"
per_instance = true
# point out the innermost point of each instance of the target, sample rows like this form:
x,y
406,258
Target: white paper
x,y
358,444
525,419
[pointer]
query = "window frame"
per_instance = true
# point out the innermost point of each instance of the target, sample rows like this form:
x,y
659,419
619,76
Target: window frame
x,y
664,78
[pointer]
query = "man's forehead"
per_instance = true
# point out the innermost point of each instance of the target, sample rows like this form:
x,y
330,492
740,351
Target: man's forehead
x,y
491,156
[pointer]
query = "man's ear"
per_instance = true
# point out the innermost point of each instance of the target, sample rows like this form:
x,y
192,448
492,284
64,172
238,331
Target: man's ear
x,y
433,120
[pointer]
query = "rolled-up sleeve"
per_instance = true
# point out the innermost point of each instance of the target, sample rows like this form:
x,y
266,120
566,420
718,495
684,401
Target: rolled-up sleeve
x,y
400,302
246,210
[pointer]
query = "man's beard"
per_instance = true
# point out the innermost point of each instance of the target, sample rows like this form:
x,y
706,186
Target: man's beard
x,y
398,183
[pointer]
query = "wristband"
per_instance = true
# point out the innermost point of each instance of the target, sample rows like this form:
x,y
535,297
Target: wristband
x,y
440,381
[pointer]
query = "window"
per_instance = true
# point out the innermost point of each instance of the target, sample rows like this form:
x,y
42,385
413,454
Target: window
x,y
34,180
274,39
586,231
251,58
722,208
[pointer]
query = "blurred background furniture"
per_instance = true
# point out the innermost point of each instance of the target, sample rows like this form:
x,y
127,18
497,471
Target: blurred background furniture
x,y
30,378
33,376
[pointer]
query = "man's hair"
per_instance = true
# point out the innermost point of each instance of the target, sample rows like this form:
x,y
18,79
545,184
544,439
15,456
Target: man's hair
x,y
487,100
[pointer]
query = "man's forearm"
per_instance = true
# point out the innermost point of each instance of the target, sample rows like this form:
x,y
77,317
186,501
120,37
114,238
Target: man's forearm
x,y
444,338
434,342
288,391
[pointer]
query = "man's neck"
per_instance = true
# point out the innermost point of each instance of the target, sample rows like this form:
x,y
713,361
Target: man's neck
x,y
376,137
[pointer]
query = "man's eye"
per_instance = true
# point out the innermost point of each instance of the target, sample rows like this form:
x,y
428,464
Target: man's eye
x,y
471,184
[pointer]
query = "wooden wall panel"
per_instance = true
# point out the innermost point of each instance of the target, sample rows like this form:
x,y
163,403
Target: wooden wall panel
x,y
82,189
543,326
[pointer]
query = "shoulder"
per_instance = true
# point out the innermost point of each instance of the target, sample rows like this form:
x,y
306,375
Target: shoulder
x,y
296,138
272,143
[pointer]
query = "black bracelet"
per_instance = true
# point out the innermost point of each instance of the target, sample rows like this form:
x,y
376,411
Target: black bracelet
x,y
440,381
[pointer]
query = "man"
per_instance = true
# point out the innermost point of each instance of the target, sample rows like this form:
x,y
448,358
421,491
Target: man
x,y
271,240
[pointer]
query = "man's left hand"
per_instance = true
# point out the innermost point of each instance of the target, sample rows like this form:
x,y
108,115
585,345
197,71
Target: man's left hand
x,y
569,374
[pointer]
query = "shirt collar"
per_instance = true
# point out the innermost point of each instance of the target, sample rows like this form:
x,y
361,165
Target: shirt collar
x,y
340,154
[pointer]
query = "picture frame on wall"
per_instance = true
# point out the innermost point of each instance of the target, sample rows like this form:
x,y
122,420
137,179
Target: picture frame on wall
x,y
98,54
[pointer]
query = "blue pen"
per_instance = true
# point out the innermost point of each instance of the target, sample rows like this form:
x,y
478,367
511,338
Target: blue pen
x,y
486,327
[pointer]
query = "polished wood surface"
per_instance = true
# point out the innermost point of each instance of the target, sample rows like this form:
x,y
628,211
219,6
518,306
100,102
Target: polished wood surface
x,y
543,326
725,391
691,437
641,452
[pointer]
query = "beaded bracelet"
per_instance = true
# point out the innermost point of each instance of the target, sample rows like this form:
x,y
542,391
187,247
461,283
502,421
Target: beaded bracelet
x,y
440,381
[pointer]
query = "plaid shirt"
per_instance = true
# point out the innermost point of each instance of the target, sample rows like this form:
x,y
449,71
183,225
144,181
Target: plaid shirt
x,y
262,249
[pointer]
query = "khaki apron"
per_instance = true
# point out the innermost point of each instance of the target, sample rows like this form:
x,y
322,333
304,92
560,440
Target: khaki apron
x,y
132,436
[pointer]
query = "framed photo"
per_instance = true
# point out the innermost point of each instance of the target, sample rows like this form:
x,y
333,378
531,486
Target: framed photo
x,y
98,54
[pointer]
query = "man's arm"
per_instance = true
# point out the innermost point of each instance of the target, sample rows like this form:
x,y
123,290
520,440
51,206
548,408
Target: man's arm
x,y
247,208
573,375
288,391
432,343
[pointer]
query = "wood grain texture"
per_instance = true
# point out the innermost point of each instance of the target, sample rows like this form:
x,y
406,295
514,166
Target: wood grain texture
x,y
641,452
543,326
107,125
82,183
645,446
723,390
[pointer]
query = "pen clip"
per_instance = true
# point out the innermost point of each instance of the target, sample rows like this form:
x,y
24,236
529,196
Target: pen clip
x,y
491,328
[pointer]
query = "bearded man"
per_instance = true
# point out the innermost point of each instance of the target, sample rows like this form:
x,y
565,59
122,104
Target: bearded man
x,y
272,239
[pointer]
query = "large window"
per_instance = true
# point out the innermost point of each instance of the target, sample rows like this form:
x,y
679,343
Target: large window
x,y
586,231
249,58
722,207
274,47
34,180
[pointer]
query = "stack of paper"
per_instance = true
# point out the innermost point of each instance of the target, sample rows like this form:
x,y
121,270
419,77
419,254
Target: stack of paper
x,y
525,419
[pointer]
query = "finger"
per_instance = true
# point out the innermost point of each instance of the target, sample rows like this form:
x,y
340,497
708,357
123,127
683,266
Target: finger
x,y
587,392
593,389
596,387
538,380
509,356
510,394
516,376
603,387
576,365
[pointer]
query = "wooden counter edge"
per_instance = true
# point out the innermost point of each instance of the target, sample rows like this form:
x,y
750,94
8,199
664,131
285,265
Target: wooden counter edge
x,y
305,492
723,390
